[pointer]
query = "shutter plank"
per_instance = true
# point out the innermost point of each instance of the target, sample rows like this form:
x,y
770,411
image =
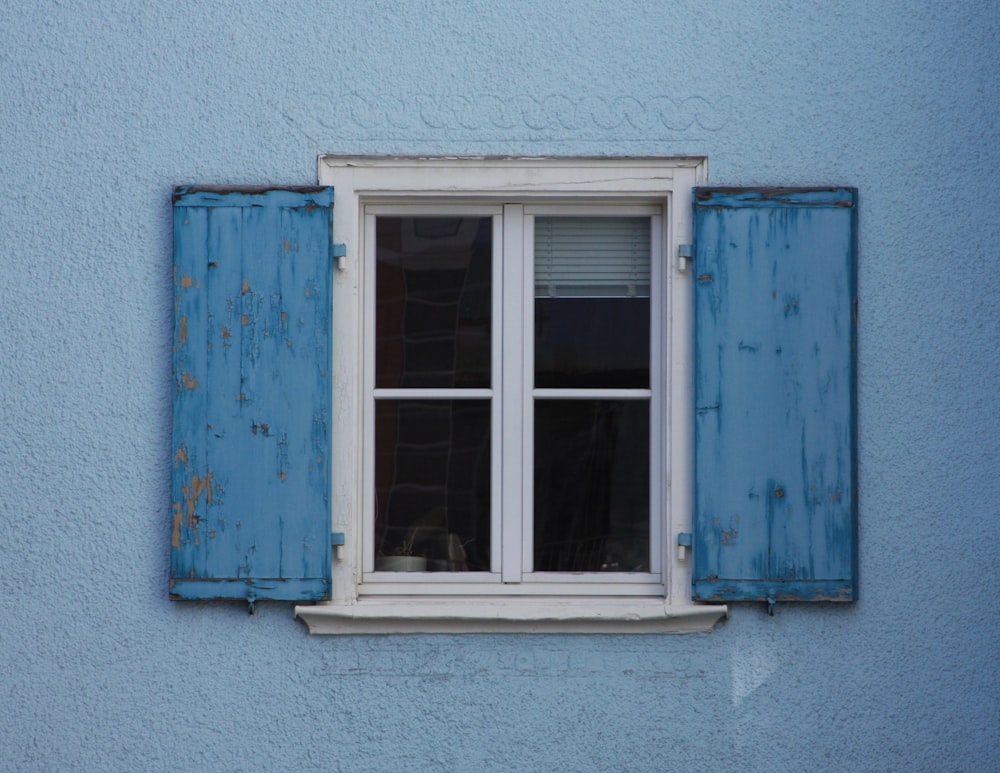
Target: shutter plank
x,y
191,492
775,471
251,474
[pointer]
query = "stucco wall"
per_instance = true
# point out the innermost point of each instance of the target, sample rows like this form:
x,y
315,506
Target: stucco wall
x,y
105,106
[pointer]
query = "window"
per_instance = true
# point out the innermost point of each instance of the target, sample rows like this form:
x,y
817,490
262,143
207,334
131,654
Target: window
x,y
516,400
513,444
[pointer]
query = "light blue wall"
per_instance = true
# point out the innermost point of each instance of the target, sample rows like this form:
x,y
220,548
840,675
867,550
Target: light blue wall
x,y
105,106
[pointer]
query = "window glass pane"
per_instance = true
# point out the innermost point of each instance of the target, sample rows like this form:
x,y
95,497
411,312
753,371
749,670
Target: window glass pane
x,y
592,343
432,307
592,302
432,485
591,488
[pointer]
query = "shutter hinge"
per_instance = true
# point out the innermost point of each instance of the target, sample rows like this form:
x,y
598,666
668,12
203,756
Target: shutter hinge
x,y
337,541
339,253
685,253
683,543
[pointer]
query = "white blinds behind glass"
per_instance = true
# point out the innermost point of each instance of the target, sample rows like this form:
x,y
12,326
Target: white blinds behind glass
x,y
592,257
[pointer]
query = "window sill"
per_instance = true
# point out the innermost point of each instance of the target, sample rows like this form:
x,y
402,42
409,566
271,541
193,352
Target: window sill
x,y
521,615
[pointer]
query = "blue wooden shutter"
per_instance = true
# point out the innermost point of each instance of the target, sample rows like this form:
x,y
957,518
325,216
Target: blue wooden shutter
x,y
251,469
775,471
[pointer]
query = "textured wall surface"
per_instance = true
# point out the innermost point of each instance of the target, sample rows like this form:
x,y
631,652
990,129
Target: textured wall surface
x,y
104,106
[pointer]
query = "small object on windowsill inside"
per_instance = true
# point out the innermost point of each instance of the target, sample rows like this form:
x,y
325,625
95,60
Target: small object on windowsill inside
x,y
401,564
402,557
424,549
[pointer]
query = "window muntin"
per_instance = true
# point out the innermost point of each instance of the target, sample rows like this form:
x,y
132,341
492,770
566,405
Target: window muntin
x,y
573,404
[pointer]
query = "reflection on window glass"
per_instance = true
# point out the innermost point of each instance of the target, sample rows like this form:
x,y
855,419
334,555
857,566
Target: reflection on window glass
x,y
432,308
591,487
432,485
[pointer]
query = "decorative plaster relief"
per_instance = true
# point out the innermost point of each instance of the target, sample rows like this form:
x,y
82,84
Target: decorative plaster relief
x,y
488,117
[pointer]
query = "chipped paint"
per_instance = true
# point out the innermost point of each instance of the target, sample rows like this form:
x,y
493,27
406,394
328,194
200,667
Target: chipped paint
x,y
189,516
193,492
175,537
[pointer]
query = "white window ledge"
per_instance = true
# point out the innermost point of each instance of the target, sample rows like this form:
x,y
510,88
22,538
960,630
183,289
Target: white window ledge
x,y
410,615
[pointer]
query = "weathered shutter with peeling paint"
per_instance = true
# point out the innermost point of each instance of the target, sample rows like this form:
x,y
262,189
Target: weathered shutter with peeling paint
x,y
775,471
251,467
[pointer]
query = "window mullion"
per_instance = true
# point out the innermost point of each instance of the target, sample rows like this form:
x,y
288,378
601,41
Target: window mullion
x,y
513,499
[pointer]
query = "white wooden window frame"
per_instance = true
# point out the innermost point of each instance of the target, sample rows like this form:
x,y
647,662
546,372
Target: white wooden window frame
x,y
367,602
512,400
